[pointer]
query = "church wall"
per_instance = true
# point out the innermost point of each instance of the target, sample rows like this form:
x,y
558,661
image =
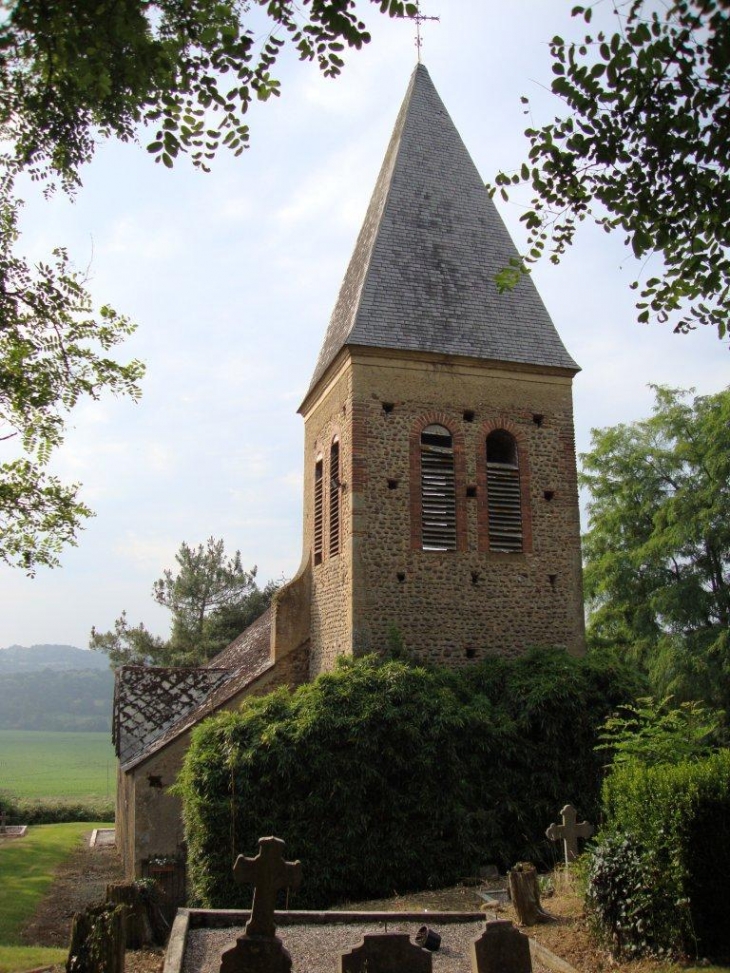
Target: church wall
x,y
454,606
124,819
331,599
158,814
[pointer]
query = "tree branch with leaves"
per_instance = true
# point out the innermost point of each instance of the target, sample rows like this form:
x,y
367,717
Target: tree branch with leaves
x,y
53,351
642,148
73,73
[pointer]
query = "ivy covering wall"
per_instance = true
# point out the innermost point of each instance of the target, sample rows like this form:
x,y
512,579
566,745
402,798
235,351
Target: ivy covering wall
x,y
386,776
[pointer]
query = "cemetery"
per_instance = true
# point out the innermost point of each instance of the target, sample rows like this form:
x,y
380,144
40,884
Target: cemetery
x,y
514,930
264,940
416,710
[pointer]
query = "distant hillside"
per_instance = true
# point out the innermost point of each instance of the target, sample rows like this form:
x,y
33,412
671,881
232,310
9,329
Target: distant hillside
x,y
57,699
34,658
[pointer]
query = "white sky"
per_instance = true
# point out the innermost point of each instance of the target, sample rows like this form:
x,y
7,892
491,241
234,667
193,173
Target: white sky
x,y
232,277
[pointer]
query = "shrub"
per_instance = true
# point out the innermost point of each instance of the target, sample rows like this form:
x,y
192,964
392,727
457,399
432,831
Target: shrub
x,y
655,732
676,820
623,877
384,776
21,811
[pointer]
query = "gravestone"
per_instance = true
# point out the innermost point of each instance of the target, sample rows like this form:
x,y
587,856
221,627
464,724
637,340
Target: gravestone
x,y
390,952
260,950
569,831
501,948
98,936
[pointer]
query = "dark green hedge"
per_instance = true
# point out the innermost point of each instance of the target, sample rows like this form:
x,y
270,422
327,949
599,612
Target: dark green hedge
x,y
23,811
659,880
383,776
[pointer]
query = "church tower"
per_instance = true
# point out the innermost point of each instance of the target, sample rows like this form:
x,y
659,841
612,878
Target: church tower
x,y
440,497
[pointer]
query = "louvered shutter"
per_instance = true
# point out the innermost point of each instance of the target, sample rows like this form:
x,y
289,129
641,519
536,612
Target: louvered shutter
x,y
438,493
335,499
318,513
504,496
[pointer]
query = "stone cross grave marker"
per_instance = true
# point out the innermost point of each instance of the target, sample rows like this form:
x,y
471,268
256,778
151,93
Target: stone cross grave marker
x,y
501,948
267,872
569,831
391,952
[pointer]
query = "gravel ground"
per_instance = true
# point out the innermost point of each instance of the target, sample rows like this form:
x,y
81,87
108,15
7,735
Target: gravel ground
x,y
316,948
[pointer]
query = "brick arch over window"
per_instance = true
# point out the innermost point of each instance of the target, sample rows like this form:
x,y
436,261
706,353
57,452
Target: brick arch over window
x,y
416,478
504,425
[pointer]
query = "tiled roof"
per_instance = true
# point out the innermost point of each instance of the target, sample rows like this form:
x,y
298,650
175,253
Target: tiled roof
x,y
243,661
149,699
421,277
248,645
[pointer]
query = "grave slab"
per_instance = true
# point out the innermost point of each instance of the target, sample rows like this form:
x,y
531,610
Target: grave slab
x,y
390,952
315,940
256,954
501,948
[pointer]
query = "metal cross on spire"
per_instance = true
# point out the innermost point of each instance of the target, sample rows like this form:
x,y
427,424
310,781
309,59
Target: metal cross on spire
x,y
419,18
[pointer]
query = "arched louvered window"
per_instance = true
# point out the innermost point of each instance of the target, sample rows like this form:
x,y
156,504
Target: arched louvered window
x,y
438,493
335,498
318,512
504,501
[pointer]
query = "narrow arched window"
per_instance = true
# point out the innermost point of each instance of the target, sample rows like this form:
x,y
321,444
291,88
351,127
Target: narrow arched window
x,y
504,501
318,512
335,498
438,493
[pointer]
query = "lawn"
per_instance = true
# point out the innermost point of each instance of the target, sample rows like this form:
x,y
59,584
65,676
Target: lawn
x,y
14,959
27,866
39,764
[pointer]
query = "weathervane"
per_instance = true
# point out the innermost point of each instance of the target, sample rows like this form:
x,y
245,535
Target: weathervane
x,y
419,18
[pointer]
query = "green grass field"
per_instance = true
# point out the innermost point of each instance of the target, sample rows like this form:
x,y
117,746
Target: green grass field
x,y
27,866
41,765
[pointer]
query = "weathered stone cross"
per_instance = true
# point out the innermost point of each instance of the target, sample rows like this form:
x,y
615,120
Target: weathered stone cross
x,y
569,831
267,872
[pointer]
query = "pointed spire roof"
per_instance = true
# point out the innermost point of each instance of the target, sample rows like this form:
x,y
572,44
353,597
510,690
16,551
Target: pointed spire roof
x,y
421,277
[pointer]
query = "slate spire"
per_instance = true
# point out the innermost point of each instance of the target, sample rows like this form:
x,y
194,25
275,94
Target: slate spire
x,y
421,277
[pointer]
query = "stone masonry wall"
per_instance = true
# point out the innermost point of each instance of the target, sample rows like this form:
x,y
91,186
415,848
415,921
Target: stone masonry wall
x,y
124,821
331,599
455,606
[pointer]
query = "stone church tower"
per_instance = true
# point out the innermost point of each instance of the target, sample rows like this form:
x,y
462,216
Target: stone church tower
x,y
440,497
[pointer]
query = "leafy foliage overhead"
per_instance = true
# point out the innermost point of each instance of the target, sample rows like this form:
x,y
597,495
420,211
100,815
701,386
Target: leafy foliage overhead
x,y
642,148
657,552
212,599
73,72
53,351
189,69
